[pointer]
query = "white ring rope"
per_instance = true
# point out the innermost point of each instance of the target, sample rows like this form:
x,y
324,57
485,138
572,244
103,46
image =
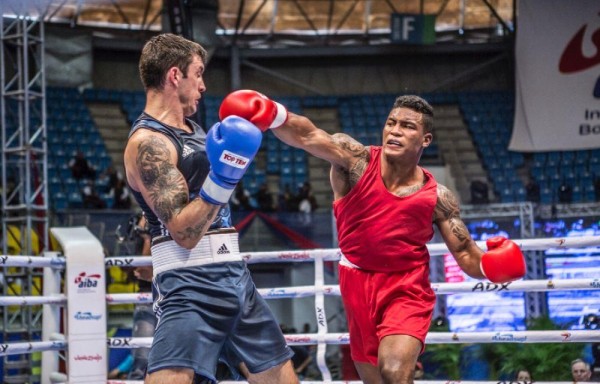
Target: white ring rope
x,y
319,290
334,290
526,337
438,288
30,347
332,254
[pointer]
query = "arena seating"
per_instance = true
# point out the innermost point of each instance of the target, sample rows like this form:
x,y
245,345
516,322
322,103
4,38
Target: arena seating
x,y
70,129
488,116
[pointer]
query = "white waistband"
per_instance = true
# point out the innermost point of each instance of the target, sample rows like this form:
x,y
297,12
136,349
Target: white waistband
x,y
215,248
347,263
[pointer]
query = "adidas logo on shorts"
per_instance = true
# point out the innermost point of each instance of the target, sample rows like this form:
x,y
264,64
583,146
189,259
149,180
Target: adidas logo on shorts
x,y
222,250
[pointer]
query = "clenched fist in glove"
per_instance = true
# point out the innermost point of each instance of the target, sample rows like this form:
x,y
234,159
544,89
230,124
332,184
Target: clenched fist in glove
x,y
254,107
503,262
230,147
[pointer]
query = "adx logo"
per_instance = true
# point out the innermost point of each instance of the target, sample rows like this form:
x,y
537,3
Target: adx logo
x,y
574,59
87,281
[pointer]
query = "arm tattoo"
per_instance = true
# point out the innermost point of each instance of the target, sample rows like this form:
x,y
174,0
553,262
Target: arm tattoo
x,y
165,184
360,157
447,209
195,231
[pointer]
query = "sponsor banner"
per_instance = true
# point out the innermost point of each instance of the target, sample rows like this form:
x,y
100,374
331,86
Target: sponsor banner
x,y
87,360
557,76
86,305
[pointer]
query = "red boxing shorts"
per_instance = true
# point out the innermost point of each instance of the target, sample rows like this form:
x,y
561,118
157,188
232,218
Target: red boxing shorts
x,y
380,304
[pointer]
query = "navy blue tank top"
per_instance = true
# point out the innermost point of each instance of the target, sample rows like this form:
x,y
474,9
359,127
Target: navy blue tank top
x,y
191,162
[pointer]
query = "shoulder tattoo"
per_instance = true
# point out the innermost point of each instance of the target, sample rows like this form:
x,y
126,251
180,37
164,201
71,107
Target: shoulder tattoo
x,y
165,184
447,209
360,159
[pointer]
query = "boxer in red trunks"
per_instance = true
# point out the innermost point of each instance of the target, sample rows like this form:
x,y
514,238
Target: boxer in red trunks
x,y
385,205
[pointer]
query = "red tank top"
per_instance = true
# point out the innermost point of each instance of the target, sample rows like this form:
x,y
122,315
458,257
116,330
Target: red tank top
x,y
379,231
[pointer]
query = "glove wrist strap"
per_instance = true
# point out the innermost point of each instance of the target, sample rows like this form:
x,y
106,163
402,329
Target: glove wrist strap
x,y
281,116
217,194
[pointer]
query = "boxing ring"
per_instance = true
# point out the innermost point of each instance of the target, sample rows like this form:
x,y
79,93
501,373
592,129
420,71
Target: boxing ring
x,y
83,341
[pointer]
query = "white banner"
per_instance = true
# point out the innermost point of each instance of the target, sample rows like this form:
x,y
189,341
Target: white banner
x,y
557,76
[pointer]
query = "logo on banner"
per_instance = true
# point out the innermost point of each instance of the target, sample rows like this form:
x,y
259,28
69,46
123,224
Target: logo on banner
x,y
297,339
87,316
508,337
276,292
573,59
87,283
95,357
566,336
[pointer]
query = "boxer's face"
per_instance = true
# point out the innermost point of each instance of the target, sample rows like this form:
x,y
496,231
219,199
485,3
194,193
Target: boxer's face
x,y
404,134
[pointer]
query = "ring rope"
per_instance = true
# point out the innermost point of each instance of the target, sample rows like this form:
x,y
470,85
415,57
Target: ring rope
x,y
334,290
360,382
526,337
321,338
438,288
332,254
30,347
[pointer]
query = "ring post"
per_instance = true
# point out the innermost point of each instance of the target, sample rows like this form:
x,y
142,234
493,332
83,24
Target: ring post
x,y
321,318
50,318
85,287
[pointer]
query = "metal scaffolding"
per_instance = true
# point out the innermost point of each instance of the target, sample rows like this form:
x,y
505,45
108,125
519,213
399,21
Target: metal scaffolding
x,y
24,174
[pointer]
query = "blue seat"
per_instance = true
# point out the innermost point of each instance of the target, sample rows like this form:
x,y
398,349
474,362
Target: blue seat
x,y
546,196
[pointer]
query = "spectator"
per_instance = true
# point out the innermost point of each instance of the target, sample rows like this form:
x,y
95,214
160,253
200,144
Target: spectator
x,y
240,200
565,193
81,168
264,198
91,199
580,370
144,320
479,192
121,195
305,193
284,199
533,191
120,372
523,375
112,177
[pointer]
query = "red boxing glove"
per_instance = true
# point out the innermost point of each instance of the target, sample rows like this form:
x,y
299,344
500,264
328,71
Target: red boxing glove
x,y
254,107
503,262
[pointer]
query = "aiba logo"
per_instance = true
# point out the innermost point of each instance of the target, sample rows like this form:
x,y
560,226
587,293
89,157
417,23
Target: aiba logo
x,y
87,283
573,58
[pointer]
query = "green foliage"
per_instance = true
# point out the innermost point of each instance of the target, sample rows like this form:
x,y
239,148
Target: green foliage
x,y
446,357
545,361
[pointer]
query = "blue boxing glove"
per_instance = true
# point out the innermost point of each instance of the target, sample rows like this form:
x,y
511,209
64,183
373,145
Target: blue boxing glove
x,y
230,147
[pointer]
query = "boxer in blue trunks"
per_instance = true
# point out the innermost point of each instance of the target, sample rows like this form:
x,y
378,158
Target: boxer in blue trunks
x,y
207,306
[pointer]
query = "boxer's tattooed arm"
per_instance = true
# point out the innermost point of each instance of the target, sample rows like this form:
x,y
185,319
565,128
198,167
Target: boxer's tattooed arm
x,y
359,158
165,184
195,231
447,209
